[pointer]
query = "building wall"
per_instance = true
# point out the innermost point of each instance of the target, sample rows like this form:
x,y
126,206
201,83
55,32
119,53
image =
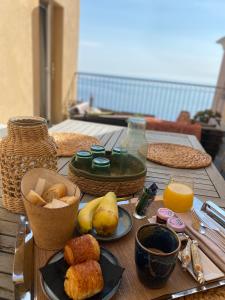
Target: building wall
x,y
18,94
219,97
16,84
70,48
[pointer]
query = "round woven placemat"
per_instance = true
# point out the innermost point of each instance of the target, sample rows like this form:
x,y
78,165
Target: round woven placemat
x,y
69,143
178,156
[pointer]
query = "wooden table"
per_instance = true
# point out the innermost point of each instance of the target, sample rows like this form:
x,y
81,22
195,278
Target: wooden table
x,y
208,184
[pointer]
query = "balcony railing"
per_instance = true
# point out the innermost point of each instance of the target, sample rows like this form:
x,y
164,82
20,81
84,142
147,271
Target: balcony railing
x,y
163,99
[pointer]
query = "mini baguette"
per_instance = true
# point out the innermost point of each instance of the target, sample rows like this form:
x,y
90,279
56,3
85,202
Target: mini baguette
x,y
56,191
40,186
36,199
56,204
68,199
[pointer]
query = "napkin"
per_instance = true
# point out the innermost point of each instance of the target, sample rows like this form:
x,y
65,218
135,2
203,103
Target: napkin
x,y
209,247
54,274
210,270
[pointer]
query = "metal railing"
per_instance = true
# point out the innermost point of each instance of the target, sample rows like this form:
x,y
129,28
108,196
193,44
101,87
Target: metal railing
x,y
163,99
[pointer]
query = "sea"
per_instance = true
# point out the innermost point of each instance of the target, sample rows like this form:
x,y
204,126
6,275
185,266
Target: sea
x,y
163,100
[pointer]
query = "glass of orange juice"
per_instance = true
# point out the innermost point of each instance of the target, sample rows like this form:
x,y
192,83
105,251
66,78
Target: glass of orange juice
x,y
178,195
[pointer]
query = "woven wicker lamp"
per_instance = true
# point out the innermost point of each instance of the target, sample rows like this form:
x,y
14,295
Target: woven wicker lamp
x,y
27,146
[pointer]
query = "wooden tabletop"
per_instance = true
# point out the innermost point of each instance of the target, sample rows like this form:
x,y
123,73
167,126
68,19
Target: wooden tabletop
x,y
208,184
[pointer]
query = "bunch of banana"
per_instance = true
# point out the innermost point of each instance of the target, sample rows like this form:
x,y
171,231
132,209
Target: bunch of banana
x,y
100,214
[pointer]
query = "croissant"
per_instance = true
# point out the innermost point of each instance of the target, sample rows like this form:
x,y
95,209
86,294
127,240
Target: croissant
x,y
83,280
80,249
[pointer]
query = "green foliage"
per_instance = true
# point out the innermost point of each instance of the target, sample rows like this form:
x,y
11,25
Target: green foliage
x,y
206,115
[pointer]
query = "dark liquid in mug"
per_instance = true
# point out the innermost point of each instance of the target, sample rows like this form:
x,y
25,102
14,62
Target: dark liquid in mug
x,y
155,250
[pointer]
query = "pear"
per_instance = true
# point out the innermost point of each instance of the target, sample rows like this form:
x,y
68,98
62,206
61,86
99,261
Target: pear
x,y
105,218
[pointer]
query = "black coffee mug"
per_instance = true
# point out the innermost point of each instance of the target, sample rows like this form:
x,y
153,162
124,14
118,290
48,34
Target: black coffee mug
x,y
156,252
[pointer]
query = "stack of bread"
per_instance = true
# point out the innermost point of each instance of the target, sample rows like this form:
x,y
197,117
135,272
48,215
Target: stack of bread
x,y
53,196
84,277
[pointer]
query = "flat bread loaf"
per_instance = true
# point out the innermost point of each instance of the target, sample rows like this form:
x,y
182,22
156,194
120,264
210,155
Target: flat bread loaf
x,y
55,203
68,199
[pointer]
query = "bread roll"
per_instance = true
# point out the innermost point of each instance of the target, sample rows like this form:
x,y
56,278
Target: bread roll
x,y
56,191
80,249
34,198
68,199
84,280
56,204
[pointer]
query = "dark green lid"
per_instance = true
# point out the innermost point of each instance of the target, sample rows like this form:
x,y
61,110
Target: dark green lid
x,y
97,148
119,150
101,161
84,154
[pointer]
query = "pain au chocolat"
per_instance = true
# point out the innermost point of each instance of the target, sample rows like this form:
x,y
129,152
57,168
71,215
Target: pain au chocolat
x,y
80,249
83,280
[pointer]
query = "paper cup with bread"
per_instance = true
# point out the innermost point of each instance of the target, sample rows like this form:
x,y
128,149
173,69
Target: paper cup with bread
x,y
51,202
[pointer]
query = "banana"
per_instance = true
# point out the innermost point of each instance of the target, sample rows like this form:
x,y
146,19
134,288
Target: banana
x,y
105,219
85,215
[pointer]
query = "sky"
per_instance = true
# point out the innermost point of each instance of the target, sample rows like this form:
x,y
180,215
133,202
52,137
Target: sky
x,y
158,39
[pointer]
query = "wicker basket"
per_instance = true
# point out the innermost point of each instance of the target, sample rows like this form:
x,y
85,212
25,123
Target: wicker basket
x,y
99,185
27,146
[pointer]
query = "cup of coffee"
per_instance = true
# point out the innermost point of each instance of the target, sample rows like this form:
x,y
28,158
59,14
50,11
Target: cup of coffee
x,y
156,252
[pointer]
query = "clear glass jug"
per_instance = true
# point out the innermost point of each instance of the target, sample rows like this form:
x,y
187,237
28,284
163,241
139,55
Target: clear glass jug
x,y
135,141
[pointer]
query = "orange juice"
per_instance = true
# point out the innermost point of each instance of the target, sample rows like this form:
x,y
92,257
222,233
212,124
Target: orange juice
x,y
178,197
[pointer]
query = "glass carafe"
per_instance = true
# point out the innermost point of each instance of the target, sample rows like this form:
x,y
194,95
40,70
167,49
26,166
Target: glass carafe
x,y
135,141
